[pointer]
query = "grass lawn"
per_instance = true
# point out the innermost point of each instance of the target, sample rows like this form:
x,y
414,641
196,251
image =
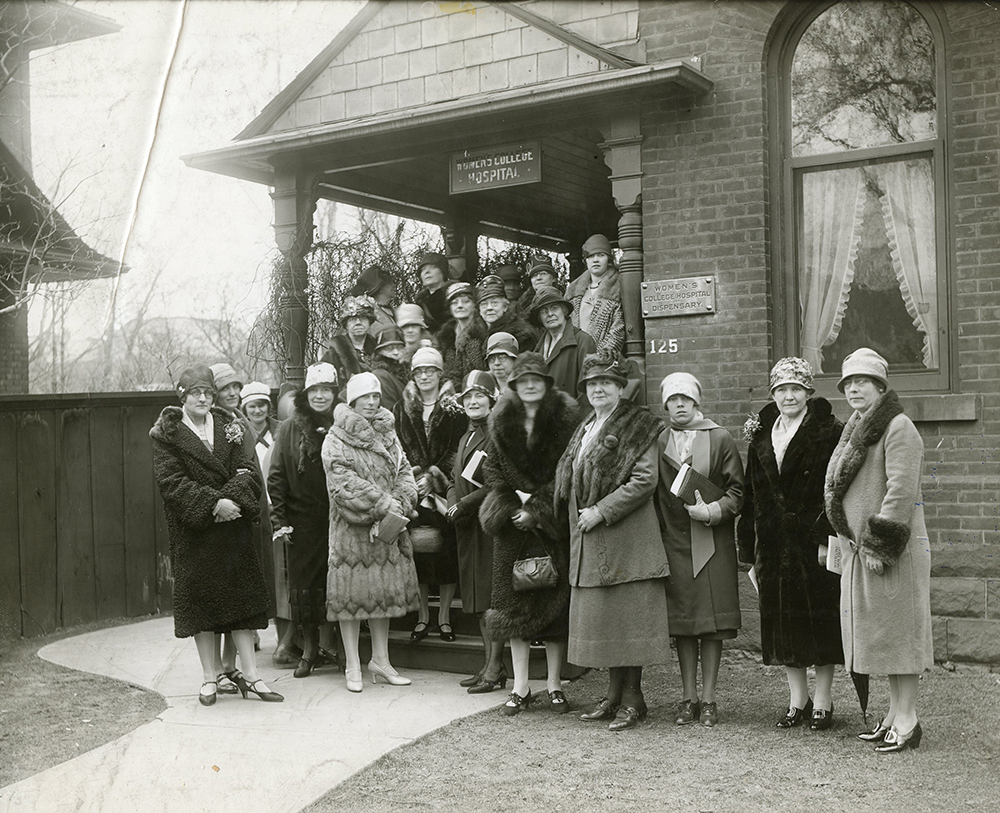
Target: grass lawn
x,y
539,761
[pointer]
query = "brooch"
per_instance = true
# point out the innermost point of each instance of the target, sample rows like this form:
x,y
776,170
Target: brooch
x,y
234,432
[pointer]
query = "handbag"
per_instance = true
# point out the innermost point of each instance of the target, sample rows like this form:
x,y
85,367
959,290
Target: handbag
x,y
426,539
535,573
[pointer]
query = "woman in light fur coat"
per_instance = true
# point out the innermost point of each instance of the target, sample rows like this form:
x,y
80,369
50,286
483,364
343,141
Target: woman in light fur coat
x,y
367,477
597,299
874,504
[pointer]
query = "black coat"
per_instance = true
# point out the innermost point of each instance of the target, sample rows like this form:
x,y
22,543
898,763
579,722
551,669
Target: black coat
x,y
781,528
516,462
464,353
218,581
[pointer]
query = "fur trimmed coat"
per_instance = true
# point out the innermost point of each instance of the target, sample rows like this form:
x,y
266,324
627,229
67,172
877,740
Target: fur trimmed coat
x,y
393,376
519,462
607,320
463,353
218,581
367,476
346,359
616,474
296,483
873,499
781,529
431,451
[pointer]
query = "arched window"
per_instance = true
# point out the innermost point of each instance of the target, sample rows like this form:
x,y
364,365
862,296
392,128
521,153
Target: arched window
x,y
863,255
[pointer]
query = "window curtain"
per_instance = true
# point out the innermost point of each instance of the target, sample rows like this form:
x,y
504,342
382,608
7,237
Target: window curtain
x,y
832,209
908,210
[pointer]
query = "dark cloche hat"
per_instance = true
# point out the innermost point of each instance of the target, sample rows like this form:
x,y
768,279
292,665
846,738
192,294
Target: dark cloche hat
x,y
550,296
529,363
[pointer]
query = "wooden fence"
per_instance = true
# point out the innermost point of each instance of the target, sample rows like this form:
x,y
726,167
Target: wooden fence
x,y
82,532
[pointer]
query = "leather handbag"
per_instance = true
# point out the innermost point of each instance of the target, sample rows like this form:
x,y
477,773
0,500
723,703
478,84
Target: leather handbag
x,y
536,573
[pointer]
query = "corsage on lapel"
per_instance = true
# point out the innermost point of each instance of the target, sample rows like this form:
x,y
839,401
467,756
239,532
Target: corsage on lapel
x,y
234,431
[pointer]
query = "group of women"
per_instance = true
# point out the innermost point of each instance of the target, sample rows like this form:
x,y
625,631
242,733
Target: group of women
x,y
583,523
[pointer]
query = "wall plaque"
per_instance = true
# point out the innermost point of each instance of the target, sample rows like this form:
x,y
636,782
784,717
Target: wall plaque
x,y
677,297
491,167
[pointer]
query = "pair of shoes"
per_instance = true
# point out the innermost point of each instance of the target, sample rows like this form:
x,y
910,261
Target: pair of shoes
x,y
305,667
794,717
259,688
821,719
558,702
628,717
877,735
353,677
388,674
226,686
236,676
208,698
420,631
446,634
709,714
688,711
516,704
895,742
604,710
486,685
326,658
472,681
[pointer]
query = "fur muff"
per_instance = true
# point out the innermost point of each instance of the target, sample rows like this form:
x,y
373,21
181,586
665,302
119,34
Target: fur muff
x,y
863,430
781,528
463,353
884,539
218,580
367,476
608,462
516,462
607,320
431,449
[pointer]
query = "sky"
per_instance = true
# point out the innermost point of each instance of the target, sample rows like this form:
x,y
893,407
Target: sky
x,y
111,117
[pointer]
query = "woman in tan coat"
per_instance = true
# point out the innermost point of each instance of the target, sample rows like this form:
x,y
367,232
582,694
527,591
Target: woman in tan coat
x,y
873,502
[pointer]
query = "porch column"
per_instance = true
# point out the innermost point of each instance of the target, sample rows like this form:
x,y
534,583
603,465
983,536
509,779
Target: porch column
x,y
622,153
461,238
294,205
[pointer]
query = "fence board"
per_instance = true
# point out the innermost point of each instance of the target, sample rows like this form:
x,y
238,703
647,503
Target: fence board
x,y
140,538
164,571
10,556
36,486
109,511
74,520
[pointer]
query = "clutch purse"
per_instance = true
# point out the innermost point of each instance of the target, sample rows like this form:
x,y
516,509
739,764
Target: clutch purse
x,y
535,573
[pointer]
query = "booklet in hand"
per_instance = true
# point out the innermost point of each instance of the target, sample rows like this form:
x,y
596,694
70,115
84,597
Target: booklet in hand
x,y
473,469
688,481
389,527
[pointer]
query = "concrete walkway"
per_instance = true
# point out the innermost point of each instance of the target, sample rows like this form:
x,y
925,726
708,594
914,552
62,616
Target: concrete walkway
x,y
238,755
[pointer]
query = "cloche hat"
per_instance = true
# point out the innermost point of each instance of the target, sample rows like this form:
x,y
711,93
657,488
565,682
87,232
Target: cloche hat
x,y
864,361
547,295
600,365
427,357
410,314
481,381
792,370
491,286
362,384
680,384
371,281
197,375
458,289
255,391
502,343
321,372
597,244
529,362
224,375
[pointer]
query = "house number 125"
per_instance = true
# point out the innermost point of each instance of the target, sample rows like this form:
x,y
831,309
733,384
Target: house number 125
x,y
663,346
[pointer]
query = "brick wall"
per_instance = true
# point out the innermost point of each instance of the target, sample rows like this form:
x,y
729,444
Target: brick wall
x,y
706,211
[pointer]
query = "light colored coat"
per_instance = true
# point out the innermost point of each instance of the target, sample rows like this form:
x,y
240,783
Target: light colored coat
x,y
367,475
873,498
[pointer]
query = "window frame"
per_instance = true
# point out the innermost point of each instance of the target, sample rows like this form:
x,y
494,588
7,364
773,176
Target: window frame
x,y
786,175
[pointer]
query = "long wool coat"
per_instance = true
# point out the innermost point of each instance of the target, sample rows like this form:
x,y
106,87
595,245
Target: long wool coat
x,y
367,475
873,499
463,353
708,603
519,462
475,546
607,320
297,485
431,451
781,528
218,581
566,360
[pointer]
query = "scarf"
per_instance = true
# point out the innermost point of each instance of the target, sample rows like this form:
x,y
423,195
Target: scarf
x,y
700,450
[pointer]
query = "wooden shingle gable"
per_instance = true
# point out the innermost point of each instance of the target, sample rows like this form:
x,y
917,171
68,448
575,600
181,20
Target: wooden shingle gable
x,y
402,55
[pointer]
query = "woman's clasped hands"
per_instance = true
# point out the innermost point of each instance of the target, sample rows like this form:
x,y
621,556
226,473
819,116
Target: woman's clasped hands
x,y
226,510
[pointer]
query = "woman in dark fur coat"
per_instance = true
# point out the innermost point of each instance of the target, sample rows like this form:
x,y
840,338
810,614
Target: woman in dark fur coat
x,y
783,533
430,422
462,339
529,430
211,491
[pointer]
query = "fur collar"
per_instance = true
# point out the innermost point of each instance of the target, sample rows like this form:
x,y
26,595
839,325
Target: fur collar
x,y
449,338
607,288
862,431
169,430
377,435
397,369
414,404
311,428
428,444
608,461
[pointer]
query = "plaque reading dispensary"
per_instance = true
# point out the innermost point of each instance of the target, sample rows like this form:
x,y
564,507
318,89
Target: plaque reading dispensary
x,y
678,297
503,165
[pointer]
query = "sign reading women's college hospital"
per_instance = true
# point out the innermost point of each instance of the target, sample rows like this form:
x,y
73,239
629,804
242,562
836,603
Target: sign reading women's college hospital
x,y
677,297
490,167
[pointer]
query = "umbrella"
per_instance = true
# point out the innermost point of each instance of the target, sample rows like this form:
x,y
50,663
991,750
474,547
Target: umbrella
x,y
861,687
